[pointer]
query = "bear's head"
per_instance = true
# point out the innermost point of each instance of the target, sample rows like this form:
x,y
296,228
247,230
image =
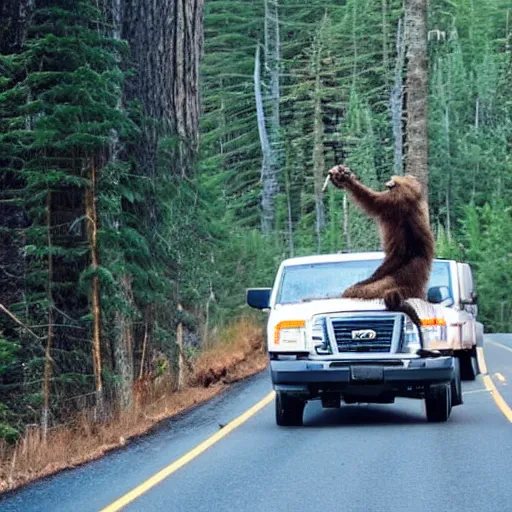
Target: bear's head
x,y
406,187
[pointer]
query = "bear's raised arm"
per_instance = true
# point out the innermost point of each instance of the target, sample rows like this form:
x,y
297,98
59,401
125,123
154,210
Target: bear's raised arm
x,y
372,202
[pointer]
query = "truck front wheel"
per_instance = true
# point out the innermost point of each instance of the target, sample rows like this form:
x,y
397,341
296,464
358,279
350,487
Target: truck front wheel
x,y
468,365
456,386
289,410
438,403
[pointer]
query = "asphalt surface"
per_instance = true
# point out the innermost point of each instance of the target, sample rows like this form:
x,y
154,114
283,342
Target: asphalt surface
x,y
374,458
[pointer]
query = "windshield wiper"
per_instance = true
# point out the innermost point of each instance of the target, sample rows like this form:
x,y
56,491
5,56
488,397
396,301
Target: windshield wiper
x,y
311,299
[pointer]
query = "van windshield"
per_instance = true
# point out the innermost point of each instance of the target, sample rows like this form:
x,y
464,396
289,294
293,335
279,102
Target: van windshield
x,y
300,283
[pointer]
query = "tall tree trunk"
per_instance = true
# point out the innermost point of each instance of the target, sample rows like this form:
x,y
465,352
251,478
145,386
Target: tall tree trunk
x,y
318,157
92,218
209,300
449,169
417,90
123,347
396,100
47,353
123,329
179,342
268,164
476,168
272,67
166,44
145,343
385,36
272,63
287,186
346,227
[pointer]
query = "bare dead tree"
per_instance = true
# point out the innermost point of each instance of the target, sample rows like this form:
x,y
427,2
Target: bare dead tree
x,y
318,148
396,100
92,232
49,341
268,164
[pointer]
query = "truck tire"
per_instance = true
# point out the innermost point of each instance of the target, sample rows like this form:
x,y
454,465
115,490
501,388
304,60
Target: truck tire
x,y
468,366
456,386
289,410
438,403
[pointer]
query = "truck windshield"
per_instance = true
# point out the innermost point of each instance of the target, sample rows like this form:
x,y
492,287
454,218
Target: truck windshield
x,y
300,283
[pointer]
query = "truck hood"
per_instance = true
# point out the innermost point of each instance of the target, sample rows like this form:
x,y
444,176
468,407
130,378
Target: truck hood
x,y
306,310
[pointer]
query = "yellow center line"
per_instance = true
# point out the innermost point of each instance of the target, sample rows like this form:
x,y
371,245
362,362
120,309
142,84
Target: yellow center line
x,y
500,401
191,455
489,384
215,438
500,377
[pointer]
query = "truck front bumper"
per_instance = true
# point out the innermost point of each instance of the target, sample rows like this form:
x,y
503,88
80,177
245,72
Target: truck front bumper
x,y
397,376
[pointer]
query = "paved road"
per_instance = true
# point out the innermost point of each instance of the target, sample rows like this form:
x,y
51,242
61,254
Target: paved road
x,y
355,459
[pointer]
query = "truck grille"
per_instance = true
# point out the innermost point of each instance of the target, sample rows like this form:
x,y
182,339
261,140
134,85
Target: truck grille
x,y
345,333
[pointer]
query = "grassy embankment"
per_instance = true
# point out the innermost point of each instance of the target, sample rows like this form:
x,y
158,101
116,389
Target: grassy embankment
x,y
235,353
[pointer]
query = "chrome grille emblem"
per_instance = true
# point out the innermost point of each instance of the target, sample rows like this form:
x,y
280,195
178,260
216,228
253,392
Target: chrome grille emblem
x,y
364,334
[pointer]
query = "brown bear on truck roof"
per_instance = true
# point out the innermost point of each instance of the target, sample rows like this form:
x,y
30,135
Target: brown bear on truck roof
x,y
401,213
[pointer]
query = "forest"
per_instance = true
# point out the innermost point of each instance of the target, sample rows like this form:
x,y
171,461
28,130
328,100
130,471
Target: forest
x,y
158,158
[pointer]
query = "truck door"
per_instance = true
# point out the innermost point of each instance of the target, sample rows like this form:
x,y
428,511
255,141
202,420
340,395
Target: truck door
x,y
467,307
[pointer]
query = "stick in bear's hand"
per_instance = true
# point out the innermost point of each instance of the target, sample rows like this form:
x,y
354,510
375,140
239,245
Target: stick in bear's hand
x,y
326,182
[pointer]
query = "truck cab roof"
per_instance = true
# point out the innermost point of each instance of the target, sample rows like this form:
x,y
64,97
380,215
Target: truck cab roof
x,y
342,256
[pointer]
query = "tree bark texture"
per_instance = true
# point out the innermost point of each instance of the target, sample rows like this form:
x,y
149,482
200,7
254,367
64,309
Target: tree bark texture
x,y
396,100
346,228
272,63
289,212
123,347
272,164
268,164
385,36
48,349
92,223
318,158
166,44
179,342
417,90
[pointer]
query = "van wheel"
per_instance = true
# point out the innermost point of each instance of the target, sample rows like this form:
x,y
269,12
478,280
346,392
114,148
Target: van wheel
x,y
438,403
289,410
468,366
456,386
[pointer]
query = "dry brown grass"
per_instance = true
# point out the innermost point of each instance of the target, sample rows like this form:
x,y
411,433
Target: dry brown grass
x,y
237,352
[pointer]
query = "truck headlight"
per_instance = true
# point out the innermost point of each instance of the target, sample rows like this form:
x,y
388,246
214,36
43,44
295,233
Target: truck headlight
x,y
411,339
291,334
320,337
433,329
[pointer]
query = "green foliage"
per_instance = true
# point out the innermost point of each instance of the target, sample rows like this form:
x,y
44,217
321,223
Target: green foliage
x,y
8,433
487,237
59,111
351,47
8,353
169,237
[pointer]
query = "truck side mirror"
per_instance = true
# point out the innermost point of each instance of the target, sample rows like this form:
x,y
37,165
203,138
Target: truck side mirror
x,y
473,301
259,298
440,295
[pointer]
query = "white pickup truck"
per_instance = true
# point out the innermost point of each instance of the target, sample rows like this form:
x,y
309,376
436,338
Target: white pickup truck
x,y
333,349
